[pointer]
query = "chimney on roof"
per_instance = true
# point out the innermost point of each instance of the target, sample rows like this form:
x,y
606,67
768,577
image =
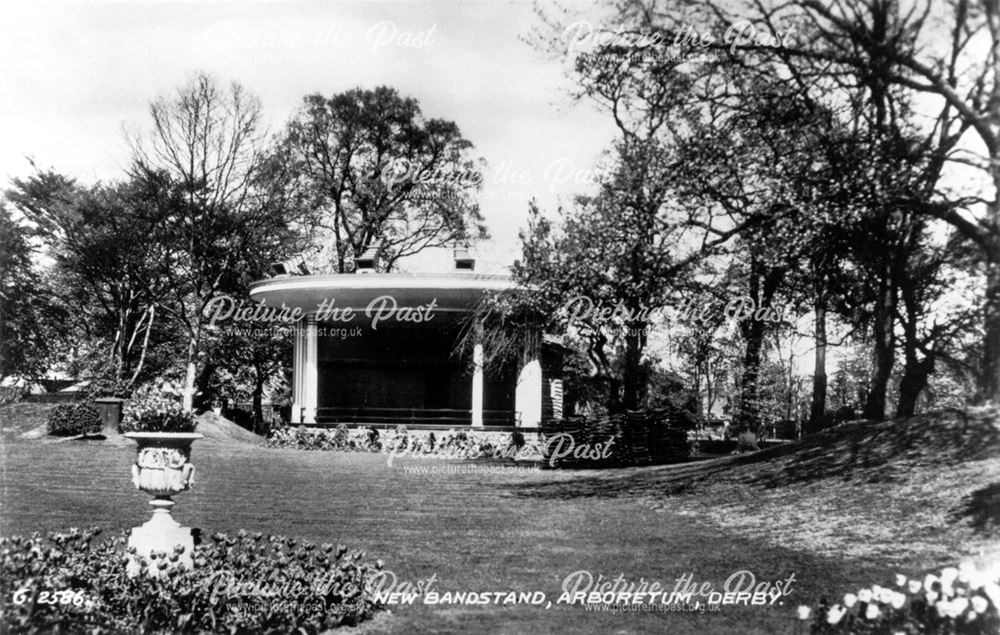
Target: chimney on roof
x,y
292,267
463,260
367,262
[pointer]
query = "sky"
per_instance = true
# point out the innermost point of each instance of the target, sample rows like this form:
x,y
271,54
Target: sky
x,y
77,75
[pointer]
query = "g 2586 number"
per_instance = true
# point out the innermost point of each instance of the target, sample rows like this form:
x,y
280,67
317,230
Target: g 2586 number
x,y
65,598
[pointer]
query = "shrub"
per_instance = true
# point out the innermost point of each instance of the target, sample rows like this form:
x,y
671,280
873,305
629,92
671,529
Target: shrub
x,y
341,436
517,439
104,386
959,600
240,583
66,420
153,409
373,442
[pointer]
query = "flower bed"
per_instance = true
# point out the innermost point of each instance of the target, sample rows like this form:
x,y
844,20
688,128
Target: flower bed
x,y
456,444
240,583
960,600
632,439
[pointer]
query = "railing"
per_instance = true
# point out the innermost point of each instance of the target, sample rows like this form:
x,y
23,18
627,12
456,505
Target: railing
x,y
410,416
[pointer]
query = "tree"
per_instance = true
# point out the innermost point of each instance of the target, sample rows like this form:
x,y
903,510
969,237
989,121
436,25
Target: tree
x,y
31,319
254,355
98,237
379,170
931,332
945,54
849,72
613,249
225,204
703,346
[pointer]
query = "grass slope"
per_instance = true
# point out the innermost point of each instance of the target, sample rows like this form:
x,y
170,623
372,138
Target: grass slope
x,y
913,493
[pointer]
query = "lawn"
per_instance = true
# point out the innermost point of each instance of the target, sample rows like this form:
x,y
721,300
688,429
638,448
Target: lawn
x,y
523,531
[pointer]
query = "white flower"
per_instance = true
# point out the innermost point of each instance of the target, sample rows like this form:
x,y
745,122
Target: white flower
x,y
872,612
878,593
947,608
965,571
836,612
897,600
850,600
992,591
931,597
979,604
977,579
993,571
900,579
913,586
960,605
948,575
804,612
929,581
865,595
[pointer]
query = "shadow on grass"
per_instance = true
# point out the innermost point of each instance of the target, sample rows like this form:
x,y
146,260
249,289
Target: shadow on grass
x,y
981,509
860,451
874,452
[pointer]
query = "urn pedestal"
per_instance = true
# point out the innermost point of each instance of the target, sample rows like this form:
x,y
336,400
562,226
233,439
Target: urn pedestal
x,y
162,468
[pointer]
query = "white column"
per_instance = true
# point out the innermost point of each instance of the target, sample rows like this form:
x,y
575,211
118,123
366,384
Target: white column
x,y
310,376
477,385
298,370
528,394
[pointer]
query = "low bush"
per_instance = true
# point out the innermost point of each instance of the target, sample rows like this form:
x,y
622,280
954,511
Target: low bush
x,y
156,409
960,600
633,439
67,420
105,386
341,436
240,583
400,440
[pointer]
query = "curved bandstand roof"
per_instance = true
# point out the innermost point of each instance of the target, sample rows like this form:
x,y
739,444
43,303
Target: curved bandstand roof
x,y
452,294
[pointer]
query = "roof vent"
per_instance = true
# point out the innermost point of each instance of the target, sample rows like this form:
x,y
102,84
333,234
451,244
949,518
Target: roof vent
x,y
464,261
291,267
366,262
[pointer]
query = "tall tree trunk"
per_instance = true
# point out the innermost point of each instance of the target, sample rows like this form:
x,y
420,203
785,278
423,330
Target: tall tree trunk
x,y
915,370
817,409
913,382
882,348
203,386
790,404
709,391
699,407
762,289
633,384
990,386
749,413
258,398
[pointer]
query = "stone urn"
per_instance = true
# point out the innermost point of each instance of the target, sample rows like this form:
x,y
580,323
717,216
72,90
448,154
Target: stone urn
x,y
162,468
